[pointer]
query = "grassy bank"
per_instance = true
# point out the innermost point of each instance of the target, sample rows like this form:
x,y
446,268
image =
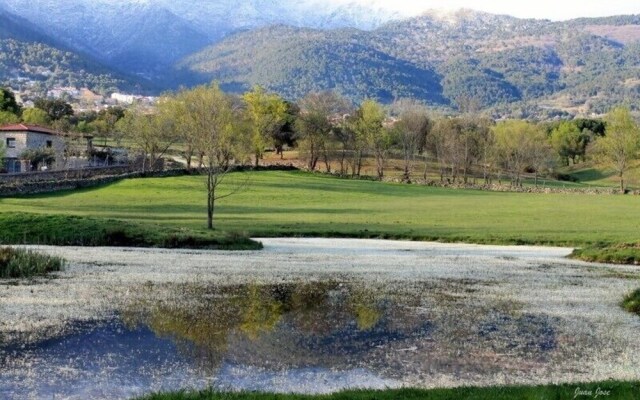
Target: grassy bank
x,y
20,263
615,254
631,302
302,204
611,390
66,230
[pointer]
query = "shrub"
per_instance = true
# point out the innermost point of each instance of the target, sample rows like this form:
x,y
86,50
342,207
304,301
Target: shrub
x,y
621,253
39,157
631,302
20,263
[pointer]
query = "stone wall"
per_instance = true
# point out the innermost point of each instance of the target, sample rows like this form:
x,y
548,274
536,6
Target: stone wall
x,y
88,178
54,181
43,176
494,187
522,189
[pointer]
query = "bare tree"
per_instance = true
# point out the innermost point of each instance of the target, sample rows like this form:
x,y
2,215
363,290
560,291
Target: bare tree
x,y
475,137
435,145
319,116
487,153
450,145
151,134
541,154
411,132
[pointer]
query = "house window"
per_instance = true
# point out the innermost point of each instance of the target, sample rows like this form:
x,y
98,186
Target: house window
x,y
49,144
11,143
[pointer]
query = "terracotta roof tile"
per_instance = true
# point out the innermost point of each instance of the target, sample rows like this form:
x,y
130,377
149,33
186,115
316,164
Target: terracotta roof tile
x,y
28,128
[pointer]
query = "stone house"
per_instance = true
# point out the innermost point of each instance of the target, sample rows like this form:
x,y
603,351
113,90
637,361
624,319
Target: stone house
x,y
18,138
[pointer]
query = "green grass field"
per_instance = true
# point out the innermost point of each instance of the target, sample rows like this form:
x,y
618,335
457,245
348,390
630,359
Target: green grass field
x,y
304,204
69,230
596,175
611,390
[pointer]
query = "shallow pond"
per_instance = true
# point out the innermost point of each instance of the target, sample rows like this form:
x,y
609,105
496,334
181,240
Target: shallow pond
x,y
317,322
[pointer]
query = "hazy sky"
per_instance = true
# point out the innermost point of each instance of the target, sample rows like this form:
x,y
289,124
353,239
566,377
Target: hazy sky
x,y
549,9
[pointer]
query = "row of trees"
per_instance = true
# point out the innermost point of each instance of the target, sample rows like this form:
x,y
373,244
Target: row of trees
x,y
467,145
329,130
216,130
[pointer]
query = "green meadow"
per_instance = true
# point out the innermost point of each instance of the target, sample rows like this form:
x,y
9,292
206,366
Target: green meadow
x,y
277,203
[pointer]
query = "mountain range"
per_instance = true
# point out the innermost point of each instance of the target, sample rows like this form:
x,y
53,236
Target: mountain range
x,y
29,53
147,36
509,65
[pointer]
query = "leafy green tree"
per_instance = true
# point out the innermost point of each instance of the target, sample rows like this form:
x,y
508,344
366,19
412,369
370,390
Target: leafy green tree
x,y
286,136
112,114
370,132
597,126
86,127
7,117
211,117
621,143
35,116
570,142
267,114
110,118
102,123
8,102
56,109
514,144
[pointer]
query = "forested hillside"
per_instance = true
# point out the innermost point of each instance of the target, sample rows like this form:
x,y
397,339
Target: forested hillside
x,y
508,66
295,61
26,52
513,66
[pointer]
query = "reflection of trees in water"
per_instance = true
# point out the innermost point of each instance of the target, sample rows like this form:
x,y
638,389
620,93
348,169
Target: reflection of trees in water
x,y
205,320
260,312
396,329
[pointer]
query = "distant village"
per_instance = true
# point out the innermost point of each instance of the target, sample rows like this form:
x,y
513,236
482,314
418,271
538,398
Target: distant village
x,y
82,100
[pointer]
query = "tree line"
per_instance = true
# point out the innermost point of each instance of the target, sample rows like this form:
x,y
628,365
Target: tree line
x,y
331,133
214,131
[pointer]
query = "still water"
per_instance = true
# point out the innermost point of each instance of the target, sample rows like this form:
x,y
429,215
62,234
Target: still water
x,y
312,337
